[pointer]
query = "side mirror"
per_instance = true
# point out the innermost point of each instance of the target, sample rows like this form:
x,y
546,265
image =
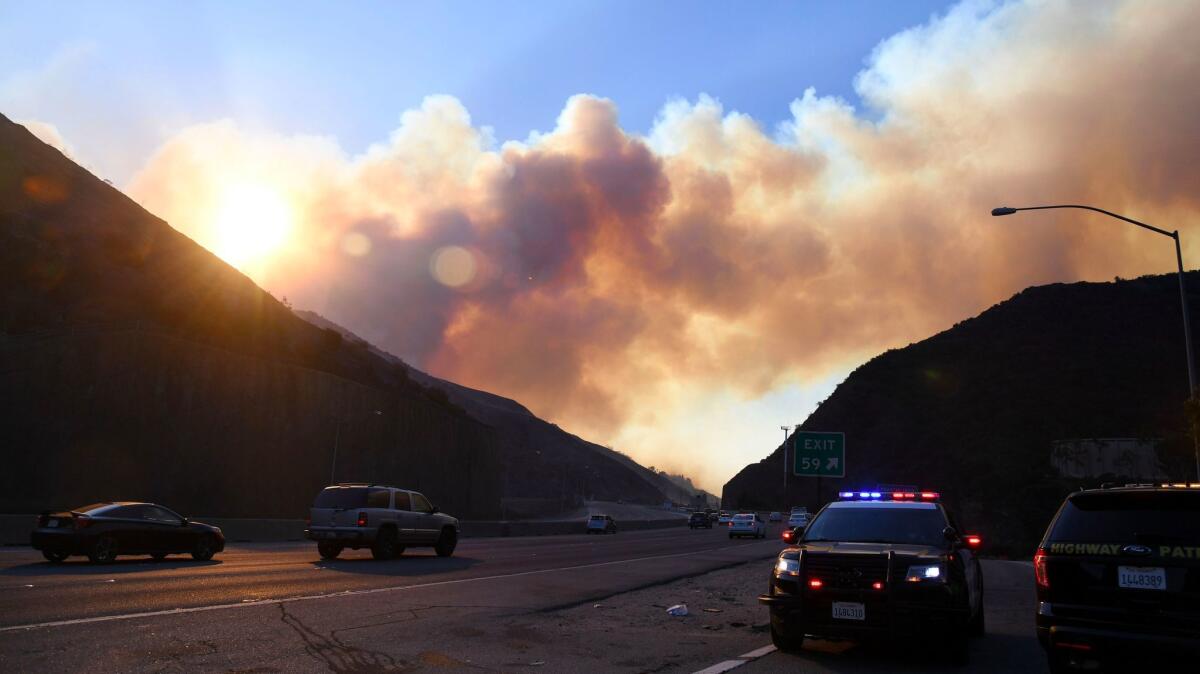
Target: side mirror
x,y
433,510
950,534
183,521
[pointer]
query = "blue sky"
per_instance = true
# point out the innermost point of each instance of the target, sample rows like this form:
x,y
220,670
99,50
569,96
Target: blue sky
x,y
119,78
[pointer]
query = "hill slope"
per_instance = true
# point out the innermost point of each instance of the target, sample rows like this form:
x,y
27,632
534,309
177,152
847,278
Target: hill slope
x,y
974,410
139,365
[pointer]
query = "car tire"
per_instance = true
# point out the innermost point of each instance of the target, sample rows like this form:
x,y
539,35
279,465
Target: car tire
x,y
103,551
784,639
158,556
55,556
204,549
977,626
958,647
384,547
446,542
329,550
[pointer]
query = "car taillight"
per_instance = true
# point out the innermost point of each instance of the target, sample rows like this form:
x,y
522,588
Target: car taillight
x,y
1039,570
362,519
878,585
307,522
974,541
815,583
83,522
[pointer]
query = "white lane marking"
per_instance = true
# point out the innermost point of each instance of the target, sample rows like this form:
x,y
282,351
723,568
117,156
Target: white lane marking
x,y
726,665
758,652
722,667
351,593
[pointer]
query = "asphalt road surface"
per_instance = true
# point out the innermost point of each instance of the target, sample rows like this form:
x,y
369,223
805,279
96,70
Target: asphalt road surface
x,y
543,604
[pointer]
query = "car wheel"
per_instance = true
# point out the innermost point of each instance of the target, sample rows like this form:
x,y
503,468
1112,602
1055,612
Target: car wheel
x,y
159,556
104,550
54,556
385,544
329,550
977,626
446,543
958,647
204,549
784,639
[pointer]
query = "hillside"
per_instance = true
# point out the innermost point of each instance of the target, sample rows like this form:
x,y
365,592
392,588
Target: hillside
x,y
139,365
974,410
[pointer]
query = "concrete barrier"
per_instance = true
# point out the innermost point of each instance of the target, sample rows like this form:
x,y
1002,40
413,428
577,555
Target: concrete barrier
x,y
14,529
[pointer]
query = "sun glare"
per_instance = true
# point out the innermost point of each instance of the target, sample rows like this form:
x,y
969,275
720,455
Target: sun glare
x,y
250,223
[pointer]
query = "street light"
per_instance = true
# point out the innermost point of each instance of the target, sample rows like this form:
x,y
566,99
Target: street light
x,y
785,436
1187,323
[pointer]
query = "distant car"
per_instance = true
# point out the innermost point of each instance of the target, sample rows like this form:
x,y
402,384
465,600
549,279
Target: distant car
x,y
798,519
713,515
601,524
383,518
724,518
104,530
747,524
1117,576
698,521
775,516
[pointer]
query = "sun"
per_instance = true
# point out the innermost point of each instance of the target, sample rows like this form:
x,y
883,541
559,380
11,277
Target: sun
x,y
250,222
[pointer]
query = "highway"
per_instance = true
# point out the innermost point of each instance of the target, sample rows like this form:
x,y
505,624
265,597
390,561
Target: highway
x,y
573,603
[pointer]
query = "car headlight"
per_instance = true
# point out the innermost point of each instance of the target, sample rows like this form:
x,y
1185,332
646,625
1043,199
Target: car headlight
x,y
933,573
787,566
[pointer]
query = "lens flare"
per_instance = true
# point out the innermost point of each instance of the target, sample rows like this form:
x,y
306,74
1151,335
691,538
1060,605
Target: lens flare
x,y
453,266
251,222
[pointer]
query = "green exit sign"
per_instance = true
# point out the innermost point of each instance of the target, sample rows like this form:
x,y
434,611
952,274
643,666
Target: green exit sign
x,y
819,454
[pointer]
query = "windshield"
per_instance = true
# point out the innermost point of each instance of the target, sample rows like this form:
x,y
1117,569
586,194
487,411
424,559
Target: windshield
x,y
1143,517
879,525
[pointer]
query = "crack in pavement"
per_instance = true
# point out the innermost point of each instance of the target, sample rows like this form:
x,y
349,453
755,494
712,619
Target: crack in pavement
x,y
338,656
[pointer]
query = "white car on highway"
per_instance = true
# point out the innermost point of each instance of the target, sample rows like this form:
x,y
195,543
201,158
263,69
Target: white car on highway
x,y
798,519
724,518
775,516
747,524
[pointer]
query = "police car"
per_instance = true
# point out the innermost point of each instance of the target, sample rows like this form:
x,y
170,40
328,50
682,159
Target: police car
x,y
879,565
1118,577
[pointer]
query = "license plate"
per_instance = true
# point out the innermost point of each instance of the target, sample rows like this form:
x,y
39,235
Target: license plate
x,y
52,523
1142,577
845,610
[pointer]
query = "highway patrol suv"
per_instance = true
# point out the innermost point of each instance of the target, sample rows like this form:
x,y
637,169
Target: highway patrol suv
x,y
1118,577
879,565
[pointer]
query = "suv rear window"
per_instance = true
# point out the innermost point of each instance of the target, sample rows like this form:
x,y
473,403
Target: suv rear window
x,y
879,525
351,497
1147,517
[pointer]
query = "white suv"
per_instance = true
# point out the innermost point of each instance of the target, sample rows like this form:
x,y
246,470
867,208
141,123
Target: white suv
x,y
383,518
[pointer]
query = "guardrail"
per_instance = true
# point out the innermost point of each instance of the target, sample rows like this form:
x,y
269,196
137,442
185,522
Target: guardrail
x,y
14,529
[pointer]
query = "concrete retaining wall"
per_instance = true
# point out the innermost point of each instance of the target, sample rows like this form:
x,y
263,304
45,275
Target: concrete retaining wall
x,y
14,529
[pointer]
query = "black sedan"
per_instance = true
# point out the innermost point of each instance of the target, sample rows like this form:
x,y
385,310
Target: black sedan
x,y
104,530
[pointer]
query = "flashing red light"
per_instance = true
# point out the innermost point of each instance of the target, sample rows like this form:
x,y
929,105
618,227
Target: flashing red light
x,y
974,541
928,495
362,519
878,585
815,583
897,495
1039,570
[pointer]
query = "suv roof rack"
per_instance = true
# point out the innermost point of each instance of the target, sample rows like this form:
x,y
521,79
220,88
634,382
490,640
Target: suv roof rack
x,y
366,484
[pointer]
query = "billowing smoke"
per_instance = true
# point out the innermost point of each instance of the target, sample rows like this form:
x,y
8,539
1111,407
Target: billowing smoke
x,y
632,287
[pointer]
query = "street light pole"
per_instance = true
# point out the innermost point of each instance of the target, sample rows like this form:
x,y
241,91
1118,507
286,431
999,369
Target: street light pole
x,y
785,470
1187,323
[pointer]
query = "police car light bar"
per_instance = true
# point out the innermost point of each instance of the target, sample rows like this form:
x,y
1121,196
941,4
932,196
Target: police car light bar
x,y
890,496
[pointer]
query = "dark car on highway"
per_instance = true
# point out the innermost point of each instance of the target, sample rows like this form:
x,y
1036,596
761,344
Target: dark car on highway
x,y
879,566
699,520
1118,577
104,530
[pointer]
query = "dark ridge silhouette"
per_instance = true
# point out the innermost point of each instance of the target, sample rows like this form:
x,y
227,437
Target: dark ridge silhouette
x,y
973,411
135,364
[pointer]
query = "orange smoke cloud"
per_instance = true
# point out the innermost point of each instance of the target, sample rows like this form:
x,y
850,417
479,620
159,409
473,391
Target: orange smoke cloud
x,y
613,282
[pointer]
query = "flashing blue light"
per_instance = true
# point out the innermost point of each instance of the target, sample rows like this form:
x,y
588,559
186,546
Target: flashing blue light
x,y
846,494
876,494
864,494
